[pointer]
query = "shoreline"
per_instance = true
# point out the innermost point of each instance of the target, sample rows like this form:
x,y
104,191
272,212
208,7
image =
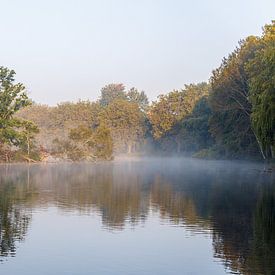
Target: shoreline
x,y
136,157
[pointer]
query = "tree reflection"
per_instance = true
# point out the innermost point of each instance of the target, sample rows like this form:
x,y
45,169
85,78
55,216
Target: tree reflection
x,y
14,217
234,204
242,218
262,258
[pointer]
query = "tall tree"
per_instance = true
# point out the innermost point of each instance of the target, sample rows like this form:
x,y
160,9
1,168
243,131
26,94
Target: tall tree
x,y
13,97
261,72
230,123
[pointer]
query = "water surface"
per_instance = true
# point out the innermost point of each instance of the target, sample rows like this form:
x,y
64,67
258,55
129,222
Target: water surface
x,y
142,216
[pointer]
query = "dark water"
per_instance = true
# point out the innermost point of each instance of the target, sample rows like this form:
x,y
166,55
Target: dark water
x,y
147,216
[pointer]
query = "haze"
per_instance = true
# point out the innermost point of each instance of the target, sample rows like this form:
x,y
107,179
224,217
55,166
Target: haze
x,y
67,50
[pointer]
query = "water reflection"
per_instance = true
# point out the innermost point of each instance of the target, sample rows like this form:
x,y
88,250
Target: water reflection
x,y
14,217
234,203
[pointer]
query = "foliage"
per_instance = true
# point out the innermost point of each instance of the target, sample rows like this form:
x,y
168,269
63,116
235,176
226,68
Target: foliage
x,y
173,107
14,132
103,142
126,123
231,117
193,133
57,122
91,143
261,72
230,123
140,98
243,99
112,92
12,98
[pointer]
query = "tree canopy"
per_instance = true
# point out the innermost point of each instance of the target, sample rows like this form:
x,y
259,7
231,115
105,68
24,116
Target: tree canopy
x,y
230,117
13,130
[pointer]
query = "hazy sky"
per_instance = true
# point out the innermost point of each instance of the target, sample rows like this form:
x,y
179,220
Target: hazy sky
x,y
66,50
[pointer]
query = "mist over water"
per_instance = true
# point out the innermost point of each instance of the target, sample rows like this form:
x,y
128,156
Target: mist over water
x,y
137,216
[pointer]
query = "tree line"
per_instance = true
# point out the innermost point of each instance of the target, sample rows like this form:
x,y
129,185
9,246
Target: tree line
x,y
231,116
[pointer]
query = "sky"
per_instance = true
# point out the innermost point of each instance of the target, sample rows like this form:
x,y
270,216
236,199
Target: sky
x,y
65,50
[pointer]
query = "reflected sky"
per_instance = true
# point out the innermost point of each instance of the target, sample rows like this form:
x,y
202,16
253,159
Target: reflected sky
x,y
140,216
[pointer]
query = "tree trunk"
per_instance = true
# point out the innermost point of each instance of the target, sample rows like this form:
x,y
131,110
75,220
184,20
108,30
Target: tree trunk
x,y
259,143
248,113
28,144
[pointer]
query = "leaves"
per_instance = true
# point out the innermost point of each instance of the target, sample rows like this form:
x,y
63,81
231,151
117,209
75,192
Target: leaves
x,y
173,107
261,71
13,97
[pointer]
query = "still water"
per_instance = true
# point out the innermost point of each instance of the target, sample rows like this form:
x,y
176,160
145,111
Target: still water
x,y
142,216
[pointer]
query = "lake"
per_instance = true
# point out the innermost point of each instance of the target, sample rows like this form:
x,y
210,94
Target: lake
x,y
137,216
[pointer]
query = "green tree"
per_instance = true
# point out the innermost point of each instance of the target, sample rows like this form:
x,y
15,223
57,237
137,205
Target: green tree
x,y
193,131
103,142
27,143
13,97
230,123
261,73
112,92
90,143
127,125
171,108
140,98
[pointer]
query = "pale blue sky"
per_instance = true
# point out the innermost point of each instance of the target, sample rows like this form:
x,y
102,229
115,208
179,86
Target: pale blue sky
x,y
66,50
